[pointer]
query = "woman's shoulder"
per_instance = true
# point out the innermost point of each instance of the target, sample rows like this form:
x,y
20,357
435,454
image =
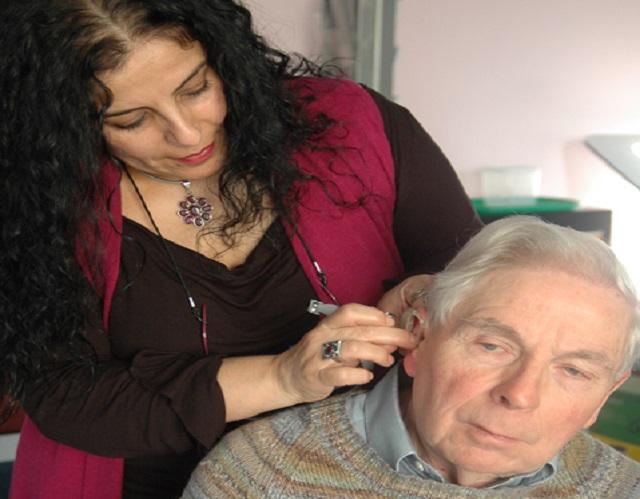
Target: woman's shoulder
x,y
335,96
320,85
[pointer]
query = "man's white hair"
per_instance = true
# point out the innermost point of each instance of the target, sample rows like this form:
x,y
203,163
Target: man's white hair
x,y
528,242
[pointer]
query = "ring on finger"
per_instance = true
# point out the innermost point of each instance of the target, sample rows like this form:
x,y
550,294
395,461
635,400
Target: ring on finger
x,y
392,315
332,350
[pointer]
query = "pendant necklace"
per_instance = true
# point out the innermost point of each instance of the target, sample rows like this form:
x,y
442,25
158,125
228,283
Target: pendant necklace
x,y
192,210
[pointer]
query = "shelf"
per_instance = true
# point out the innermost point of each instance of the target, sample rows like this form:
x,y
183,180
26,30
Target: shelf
x,y
593,221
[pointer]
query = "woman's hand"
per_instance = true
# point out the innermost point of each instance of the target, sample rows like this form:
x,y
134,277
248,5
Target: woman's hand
x,y
252,385
403,296
366,334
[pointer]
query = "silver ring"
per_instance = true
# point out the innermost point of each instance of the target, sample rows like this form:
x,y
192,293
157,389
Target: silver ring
x,y
393,316
332,350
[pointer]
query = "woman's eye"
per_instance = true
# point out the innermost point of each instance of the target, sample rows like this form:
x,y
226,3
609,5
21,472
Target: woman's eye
x,y
200,90
129,126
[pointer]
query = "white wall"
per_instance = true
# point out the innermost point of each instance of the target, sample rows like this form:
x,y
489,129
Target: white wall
x,y
291,25
512,82
8,446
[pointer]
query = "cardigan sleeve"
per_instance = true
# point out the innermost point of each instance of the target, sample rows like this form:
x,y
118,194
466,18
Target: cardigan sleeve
x,y
128,409
433,216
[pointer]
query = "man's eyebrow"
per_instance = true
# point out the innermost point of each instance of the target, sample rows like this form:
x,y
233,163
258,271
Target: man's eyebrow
x,y
496,327
592,356
190,77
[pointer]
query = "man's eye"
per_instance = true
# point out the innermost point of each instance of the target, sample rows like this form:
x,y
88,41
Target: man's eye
x,y
573,372
490,347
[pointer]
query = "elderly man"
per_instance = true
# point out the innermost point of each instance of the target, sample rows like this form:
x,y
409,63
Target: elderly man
x,y
529,330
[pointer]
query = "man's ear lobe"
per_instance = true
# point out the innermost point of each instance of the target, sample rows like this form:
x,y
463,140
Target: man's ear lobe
x,y
409,361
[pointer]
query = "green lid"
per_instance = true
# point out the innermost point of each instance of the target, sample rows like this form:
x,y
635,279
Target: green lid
x,y
519,206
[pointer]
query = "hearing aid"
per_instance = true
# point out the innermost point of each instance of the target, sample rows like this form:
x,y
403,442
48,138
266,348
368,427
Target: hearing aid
x,y
409,318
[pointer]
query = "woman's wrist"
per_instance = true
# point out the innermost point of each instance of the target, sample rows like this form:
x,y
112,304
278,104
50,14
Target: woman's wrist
x,y
253,385
283,383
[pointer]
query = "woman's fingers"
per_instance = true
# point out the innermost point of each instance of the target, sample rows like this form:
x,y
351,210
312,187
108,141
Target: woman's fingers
x,y
336,376
352,352
330,354
380,335
354,314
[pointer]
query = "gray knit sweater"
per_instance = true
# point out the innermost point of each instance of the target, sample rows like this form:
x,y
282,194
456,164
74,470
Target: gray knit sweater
x,y
314,452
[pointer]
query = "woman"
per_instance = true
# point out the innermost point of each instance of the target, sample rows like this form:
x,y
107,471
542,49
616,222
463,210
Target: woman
x,y
176,193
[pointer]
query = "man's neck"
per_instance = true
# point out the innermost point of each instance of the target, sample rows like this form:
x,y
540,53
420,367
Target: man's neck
x,y
448,471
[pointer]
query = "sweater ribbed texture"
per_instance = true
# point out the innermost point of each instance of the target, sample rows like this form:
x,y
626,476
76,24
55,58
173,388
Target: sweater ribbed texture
x,y
314,452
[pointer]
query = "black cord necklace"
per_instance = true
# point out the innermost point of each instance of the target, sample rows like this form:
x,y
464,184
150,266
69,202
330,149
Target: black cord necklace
x,y
200,315
322,277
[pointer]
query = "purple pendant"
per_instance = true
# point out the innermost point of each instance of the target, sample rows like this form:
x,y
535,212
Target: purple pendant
x,y
194,211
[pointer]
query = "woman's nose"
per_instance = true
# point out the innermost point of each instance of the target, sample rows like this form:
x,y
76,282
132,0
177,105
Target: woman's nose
x,y
183,130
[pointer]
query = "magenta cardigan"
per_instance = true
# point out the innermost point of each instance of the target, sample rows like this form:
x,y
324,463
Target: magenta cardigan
x,y
355,247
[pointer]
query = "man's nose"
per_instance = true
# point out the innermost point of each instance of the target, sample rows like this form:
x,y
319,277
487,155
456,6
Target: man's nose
x,y
520,387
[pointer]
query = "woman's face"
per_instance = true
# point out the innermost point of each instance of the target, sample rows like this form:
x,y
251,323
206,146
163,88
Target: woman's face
x,y
167,112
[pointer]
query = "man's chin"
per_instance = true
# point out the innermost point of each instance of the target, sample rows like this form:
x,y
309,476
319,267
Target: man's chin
x,y
480,468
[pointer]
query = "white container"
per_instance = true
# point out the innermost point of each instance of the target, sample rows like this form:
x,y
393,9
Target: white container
x,y
510,184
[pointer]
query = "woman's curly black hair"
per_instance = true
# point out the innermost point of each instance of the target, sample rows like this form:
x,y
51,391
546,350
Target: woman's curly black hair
x,y
51,149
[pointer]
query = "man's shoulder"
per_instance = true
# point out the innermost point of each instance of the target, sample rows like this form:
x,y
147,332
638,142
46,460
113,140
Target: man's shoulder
x,y
270,454
586,445
279,431
595,465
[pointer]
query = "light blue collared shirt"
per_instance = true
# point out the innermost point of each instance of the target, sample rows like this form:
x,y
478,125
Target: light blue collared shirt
x,y
376,416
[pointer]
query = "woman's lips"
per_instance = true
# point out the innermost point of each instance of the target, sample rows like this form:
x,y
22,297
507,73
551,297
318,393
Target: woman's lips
x,y
199,157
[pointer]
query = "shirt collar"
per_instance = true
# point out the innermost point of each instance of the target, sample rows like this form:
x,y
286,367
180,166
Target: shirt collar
x,y
386,433
383,423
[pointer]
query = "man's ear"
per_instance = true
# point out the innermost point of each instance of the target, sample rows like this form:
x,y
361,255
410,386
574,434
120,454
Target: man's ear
x,y
420,330
420,323
409,362
615,386
414,319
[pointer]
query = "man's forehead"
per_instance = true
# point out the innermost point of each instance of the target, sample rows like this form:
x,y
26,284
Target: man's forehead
x,y
525,304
